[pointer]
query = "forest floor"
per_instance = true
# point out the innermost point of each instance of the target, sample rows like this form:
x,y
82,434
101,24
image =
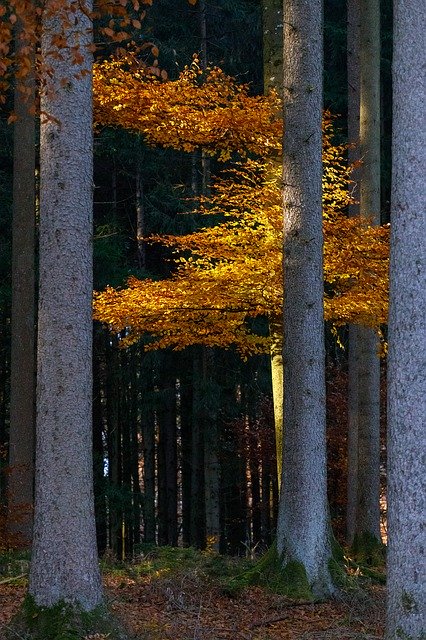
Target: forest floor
x,y
180,594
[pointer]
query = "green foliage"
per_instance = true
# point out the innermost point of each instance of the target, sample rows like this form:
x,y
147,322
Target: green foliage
x,y
153,561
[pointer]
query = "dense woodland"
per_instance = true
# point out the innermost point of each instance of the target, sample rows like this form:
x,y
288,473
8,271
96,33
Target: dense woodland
x,y
185,377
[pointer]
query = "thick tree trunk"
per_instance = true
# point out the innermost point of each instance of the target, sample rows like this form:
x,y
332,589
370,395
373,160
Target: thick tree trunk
x,y
407,331
23,360
64,563
303,528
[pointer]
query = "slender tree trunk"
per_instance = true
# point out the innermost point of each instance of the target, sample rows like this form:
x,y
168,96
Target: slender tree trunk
x,y
353,65
148,439
272,26
64,518
368,489
197,455
140,213
407,332
277,373
211,459
98,443
23,360
303,528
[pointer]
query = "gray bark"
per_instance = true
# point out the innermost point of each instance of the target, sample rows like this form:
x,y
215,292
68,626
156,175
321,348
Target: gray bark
x,y
303,533
363,507
407,331
23,363
64,560
368,485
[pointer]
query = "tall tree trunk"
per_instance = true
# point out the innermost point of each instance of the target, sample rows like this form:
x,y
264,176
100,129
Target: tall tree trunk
x,y
353,64
303,528
64,516
23,360
197,454
148,440
272,24
140,213
407,331
277,374
368,485
211,459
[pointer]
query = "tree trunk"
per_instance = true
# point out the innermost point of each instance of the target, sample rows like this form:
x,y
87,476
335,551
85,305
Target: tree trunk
x,y
23,360
277,374
407,332
211,459
303,535
272,26
64,563
368,486
353,65
148,440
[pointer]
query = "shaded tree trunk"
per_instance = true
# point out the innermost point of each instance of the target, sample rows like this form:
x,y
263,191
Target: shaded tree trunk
x,y
367,358
23,360
407,332
64,516
303,528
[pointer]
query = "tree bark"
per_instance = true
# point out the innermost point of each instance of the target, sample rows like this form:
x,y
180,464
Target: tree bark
x,y
303,534
23,361
407,331
368,486
64,565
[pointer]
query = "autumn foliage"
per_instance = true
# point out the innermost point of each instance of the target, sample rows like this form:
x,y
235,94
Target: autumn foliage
x,y
231,272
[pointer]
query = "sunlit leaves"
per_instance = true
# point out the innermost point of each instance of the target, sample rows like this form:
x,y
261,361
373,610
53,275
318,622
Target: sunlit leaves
x,y
231,273
200,109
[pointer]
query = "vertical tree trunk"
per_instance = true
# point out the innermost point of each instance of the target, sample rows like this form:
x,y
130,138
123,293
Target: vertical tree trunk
x,y
211,459
98,443
368,486
303,533
140,214
148,440
353,65
23,360
64,518
407,331
197,455
277,374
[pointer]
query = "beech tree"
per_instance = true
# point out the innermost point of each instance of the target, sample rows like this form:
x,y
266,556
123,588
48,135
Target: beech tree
x,y
407,332
64,510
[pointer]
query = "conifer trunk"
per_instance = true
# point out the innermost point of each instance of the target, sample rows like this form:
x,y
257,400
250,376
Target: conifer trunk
x,y
303,535
23,357
407,332
64,564
368,485
353,63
